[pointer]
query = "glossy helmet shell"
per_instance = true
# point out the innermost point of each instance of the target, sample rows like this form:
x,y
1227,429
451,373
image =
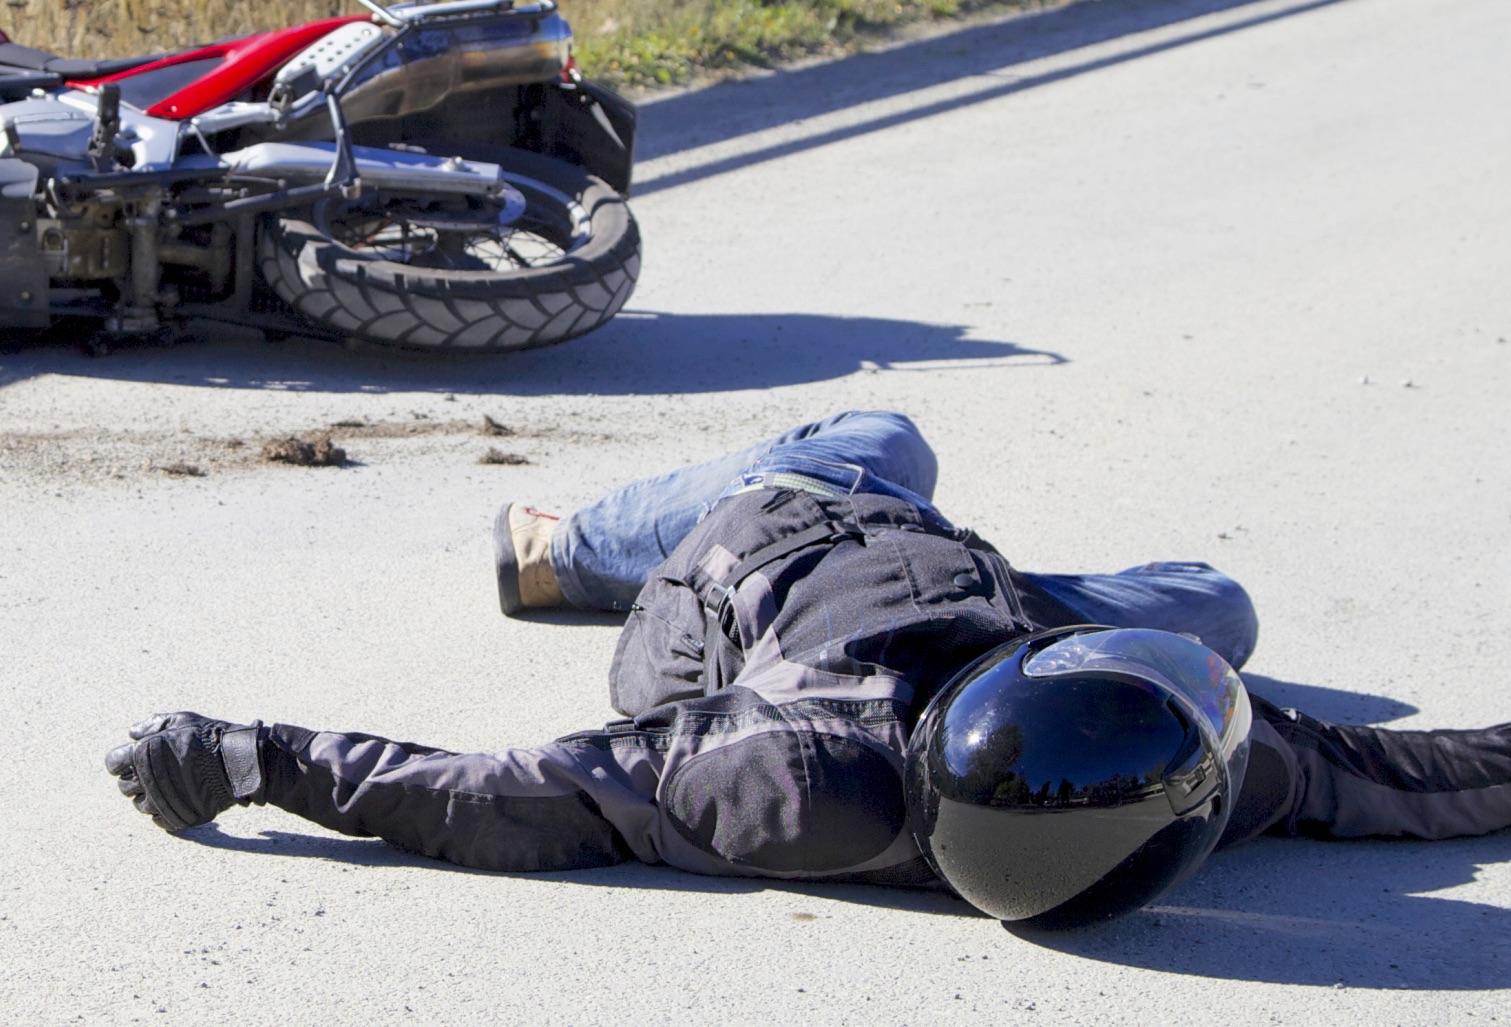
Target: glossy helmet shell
x,y
1073,775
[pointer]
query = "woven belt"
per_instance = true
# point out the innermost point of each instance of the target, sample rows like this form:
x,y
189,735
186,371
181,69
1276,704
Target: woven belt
x,y
797,482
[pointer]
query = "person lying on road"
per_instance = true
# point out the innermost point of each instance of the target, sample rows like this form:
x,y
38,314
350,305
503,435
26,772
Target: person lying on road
x,y
822,678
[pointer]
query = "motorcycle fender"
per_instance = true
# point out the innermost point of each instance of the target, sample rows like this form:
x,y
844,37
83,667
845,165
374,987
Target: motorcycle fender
x,y
23,279
593,127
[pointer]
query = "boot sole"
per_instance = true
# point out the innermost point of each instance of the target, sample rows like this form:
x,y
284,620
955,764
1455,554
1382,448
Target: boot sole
x,y
505,566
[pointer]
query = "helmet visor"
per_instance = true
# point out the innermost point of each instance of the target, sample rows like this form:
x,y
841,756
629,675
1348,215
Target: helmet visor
x,y
1211,688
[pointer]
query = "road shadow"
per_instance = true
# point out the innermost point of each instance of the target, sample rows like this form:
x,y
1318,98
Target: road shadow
x,y
730,110
1281,911
632,875
638,352
1332,704
1344,914
1327,914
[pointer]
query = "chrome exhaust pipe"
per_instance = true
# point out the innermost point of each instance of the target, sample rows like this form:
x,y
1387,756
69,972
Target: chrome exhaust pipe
x,y
395,170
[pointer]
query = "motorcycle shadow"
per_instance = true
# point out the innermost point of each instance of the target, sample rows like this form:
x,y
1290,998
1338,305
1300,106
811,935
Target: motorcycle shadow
x,y
637,352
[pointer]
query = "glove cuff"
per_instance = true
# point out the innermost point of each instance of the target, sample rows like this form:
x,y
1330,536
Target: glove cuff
x,y
240,752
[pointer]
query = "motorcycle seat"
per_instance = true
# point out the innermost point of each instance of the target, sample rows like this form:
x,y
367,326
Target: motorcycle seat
x,y
14,55
18,85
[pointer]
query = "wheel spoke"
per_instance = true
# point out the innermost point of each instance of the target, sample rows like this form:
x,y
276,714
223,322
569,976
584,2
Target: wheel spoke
x,y
501,235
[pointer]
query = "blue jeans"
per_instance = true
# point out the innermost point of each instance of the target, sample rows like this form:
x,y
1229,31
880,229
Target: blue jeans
x,y
603,553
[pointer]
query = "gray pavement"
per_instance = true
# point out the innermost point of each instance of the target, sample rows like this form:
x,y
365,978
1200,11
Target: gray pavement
x,y
1191,279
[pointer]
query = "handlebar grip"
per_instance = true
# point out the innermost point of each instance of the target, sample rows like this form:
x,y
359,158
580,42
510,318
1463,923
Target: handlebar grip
x,y
110,103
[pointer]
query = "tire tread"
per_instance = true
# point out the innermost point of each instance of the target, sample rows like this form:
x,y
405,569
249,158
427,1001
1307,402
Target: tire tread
x,y
397,305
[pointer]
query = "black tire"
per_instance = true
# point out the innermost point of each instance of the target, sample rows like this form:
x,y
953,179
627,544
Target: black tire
x,y
434,274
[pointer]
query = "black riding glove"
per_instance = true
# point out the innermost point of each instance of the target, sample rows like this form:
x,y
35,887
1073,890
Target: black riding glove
x,y
183,769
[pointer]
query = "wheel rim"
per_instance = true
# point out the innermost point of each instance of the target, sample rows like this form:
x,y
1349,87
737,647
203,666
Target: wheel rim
x,y
531,225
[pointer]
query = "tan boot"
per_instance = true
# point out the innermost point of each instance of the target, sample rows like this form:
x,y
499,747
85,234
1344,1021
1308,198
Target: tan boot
x,y
522,558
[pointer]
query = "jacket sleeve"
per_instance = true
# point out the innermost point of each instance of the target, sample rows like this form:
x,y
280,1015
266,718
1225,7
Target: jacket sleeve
x,y
727,784
519,810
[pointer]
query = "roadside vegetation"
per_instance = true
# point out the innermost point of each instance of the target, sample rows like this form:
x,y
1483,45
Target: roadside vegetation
x,y
668,42
628,43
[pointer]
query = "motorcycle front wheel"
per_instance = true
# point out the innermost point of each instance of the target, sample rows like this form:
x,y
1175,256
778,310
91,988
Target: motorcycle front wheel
x,y
461,272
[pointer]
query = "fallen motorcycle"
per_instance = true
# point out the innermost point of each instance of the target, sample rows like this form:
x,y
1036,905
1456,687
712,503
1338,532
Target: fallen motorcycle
x,y
428,175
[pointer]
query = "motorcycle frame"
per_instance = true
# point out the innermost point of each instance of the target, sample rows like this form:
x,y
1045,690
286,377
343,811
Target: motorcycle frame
x,y
557,113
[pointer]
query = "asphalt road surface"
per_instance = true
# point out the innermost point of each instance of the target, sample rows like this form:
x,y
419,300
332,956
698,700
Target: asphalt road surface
x,y
1195,279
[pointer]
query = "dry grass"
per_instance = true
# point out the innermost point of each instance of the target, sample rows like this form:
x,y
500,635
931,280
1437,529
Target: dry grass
x,y
123,28
627,42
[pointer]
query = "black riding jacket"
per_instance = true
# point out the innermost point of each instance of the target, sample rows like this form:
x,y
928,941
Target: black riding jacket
x,y
769,672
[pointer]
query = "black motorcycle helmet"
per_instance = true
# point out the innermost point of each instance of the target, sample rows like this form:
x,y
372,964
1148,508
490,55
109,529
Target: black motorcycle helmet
x,y
1073,775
